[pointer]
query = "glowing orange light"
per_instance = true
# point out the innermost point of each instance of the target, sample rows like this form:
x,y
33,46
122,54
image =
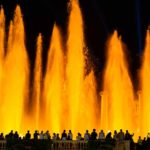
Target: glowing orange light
x,y
145,80
53,83
118,94
15,76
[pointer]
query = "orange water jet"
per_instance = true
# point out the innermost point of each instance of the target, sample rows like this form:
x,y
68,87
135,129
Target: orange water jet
x,y
2,38
53,84
66,98
15,76
145,90
37,83
2,35
75,65
89,106
118,94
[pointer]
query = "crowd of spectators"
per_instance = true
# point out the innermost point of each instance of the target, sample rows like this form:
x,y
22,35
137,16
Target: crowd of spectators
x,y
69,136
141,144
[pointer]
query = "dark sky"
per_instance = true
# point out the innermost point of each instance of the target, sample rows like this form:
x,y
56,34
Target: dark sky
x,y
130,17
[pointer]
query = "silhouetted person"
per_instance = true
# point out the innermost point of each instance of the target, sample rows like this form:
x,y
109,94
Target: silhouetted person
x,y
28,135
87,135
128,136
11,135
64,135
93,135
79,137
121,135
101,135
144,144
108,136
57,137
139,143
47,135
16,136
54,136
115,136
1,136
70,135
148,138
36,135
41,135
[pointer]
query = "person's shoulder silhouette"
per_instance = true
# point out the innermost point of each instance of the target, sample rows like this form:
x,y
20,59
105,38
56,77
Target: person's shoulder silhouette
x,y
93,135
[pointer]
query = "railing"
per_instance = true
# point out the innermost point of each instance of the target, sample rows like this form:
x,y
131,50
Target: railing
x,y
91,145
69,145
2,144
122,145
65,145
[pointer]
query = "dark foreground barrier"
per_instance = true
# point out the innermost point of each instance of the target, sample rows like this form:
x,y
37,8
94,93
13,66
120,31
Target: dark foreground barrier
x,y
63,145
69,145
122,145
2,144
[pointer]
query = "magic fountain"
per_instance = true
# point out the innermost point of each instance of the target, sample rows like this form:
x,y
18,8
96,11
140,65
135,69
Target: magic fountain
x,y
66,97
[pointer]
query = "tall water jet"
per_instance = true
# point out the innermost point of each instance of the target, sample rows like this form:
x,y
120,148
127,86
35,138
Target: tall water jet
x,y
75,65
2,37
53,84
15,76
145,93
89,107
118,93
68,95
37,82
10,37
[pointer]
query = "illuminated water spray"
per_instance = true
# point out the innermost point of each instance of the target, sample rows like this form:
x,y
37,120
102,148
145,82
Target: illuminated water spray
x,y
89,106
75,64
37,83
118,93
2,37
81,90
65,96
15,76
53,83
145,90
64,90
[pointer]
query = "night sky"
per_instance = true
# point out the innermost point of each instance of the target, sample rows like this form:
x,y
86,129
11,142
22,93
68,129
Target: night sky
x,y
130,17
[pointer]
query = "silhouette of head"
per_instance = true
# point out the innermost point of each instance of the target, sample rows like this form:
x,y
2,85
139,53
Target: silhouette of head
x,y
94,130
